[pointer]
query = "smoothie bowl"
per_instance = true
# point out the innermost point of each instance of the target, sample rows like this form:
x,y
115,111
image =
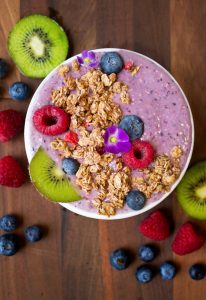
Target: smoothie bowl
x,y
109,134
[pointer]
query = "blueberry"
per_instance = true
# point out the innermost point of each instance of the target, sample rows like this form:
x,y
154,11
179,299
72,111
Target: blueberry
x,y
135,200
111,62
144,274
167,270
197,271
8,244
70,166
146,253
133,125
33,233
8,223
3,68
19,91
119,259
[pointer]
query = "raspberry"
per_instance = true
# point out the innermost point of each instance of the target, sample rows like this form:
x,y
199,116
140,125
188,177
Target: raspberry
x,y
155,226
139,156
11,173
187,239
100,150
11,124
51,120
128,65
71,137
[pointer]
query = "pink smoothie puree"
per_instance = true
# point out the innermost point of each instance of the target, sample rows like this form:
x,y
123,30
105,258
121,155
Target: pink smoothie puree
x,y
156,99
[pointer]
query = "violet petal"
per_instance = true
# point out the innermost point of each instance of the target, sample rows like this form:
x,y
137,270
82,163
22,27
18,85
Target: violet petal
x,y
91,55
106,137
123,146
93,64
84,54
112,130
112,148
122,135
80,60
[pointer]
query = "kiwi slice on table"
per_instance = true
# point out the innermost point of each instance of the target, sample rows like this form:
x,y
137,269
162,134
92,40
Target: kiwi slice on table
x,y
50,180
37,44
191,192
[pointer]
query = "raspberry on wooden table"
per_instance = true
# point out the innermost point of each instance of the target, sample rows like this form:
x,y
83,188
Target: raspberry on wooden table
x,y
11,173
11,124
187,239
155,226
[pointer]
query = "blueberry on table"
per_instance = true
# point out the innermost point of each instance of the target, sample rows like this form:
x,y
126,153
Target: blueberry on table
x,y
70,166
8,223
135,200
133,125
144,274
33,233
111,62
19,91
8,244
167,270
197,271
119,259
147,253
3,68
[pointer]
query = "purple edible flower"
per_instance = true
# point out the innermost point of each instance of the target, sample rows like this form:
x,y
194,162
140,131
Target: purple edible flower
x,y
116,140
87,58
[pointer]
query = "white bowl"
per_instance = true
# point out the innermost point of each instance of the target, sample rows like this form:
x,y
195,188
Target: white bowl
x,y
128,214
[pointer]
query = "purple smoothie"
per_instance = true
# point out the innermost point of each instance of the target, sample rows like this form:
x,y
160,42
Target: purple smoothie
x,y
156,99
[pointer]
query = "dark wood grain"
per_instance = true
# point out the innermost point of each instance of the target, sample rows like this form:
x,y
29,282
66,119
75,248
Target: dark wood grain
x,y
71,262
188,50
9,15
35,271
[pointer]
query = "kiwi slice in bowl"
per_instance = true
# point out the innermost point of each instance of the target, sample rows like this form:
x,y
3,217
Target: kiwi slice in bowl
x,y
191,192
37,44
50,180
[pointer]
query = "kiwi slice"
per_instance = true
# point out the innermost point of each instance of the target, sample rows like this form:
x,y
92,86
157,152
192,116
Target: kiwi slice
x,y
191,192
37,44
50,180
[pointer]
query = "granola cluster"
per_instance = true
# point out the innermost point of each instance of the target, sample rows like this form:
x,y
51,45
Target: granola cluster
x,y
135,70
113,189
95,172
89,98
61,146
161,175
89,101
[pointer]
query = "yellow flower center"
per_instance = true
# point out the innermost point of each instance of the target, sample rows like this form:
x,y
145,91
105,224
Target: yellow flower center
x,y
113,139
87,60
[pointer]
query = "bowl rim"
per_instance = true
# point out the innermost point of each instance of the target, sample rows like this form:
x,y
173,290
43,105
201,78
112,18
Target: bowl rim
x,y
129,214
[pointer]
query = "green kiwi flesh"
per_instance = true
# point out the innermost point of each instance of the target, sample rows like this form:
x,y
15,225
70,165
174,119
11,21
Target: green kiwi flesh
x,y
50,180
37,44
191,192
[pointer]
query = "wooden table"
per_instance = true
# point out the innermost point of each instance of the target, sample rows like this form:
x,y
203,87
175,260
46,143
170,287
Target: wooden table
x,y
71,262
